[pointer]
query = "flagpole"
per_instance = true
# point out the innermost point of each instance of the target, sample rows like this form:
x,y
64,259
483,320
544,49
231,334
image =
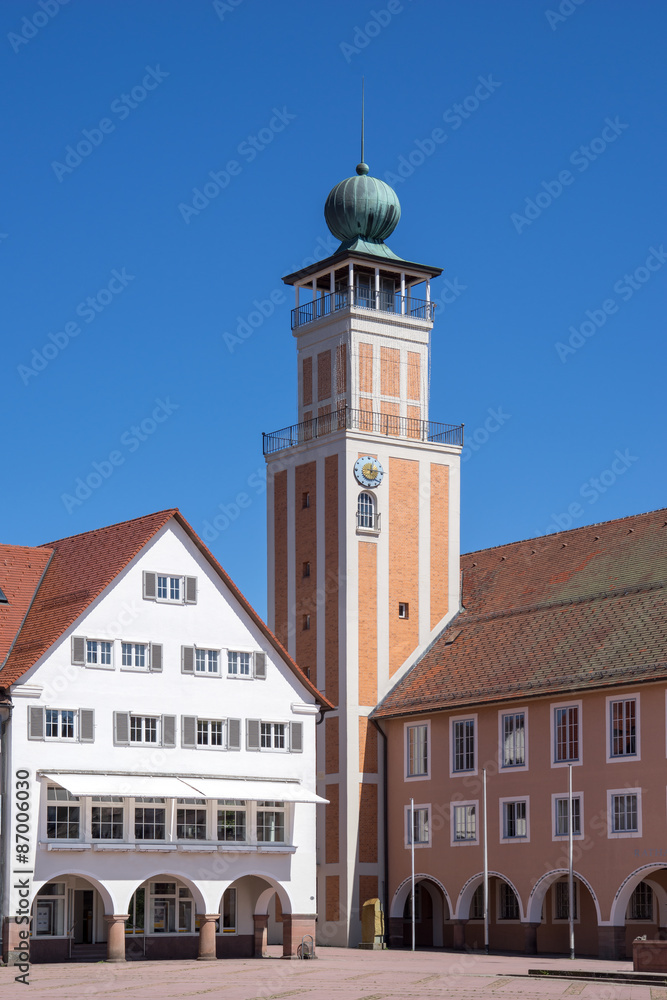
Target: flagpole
x,y
486,868
412,859
570,846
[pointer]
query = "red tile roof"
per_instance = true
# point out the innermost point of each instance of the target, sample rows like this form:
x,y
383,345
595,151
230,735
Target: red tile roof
x,y
21,569
579,609
80,569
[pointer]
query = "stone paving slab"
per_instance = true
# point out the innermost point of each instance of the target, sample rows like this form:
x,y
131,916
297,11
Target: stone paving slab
x,y
337,973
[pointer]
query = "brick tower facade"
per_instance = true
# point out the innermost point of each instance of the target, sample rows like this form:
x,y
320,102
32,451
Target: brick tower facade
x,y
363,521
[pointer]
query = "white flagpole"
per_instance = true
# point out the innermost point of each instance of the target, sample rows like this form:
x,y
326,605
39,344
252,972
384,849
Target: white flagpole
x,y
412,858
570,863
486,869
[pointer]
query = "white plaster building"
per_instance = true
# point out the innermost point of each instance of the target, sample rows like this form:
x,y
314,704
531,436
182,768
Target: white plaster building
x,y
167,744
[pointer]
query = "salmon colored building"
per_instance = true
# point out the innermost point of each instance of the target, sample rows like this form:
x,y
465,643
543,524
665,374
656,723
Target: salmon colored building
x,y
557,657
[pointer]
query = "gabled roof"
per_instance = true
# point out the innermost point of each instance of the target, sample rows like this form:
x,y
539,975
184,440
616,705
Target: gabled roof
x,y
580,609
81,567
21,569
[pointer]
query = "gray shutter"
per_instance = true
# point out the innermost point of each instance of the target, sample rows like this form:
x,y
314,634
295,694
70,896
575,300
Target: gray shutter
x,y
156,658
187,659
78,650
86,725
121,729
296,737
260,666
233,734
35,722
191,590
252,734
168,730
188,730
150,586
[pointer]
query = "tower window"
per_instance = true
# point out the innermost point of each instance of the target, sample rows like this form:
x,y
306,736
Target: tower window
x,y
306,622
306,569
305,500
366,517
403,610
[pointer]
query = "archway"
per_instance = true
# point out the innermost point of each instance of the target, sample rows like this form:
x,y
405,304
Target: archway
x,y
640,906
251,906
548,913
165,911
506,914
68,921
432,914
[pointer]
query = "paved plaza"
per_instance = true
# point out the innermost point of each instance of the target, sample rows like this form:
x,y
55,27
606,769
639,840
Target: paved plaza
x,y
337,973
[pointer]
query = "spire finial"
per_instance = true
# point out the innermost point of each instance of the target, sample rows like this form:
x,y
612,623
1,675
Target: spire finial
x,y
362,168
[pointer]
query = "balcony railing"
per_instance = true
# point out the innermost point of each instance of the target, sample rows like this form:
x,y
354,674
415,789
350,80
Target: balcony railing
x,y
362,298
362,420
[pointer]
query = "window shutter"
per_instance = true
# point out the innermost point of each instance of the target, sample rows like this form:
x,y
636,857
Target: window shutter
x,y
187,659
233,734
150,586
121,729
191,590
86,725
252,734
296,737
156,658
168,730
188,730
35,722
78,650
260,666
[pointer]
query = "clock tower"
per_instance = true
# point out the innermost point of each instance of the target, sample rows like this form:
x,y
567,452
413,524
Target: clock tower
x,y
363,521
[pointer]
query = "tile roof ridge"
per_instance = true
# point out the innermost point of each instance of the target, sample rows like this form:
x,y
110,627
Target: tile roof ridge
x,y
568,531
168,512
621,591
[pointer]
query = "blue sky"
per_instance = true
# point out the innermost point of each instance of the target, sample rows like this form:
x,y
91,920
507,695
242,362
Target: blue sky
x,y
541,193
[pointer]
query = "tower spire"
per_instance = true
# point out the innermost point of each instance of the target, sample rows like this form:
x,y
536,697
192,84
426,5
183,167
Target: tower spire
x,y
362,168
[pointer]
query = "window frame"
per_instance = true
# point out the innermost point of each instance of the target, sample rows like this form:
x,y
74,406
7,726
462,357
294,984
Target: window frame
x,y
553,707
157,742
238,806
133,666
208,723
613,793
272,807
454,719
555,798
370,513
513,800
463,804
191,804
407,726
503,888
64,801
422,807
113,802
555,919
74,738
642,920
502,714
613,758
285,736
97,664
207,653
154,803
236,675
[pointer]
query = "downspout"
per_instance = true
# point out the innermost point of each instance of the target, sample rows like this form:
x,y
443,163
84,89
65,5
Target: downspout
x,y
5,811
385,830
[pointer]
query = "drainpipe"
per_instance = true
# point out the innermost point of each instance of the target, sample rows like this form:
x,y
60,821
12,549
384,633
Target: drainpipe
x,y
385,830
5,812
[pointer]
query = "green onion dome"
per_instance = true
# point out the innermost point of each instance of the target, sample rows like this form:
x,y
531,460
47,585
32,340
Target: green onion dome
x,y
362,207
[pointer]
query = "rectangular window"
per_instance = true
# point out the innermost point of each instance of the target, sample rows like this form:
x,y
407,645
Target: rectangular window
x,y
477,904
62,821
149,821
206,661
98,653
566,733
417,750
134,654
623,730
562,808
231,820
169,588
465,822
143,729
229,911
509,904
60,724
562,903
273,735
641,903
514,739
463,750
624,813
515,819
271,822
420,829
107,819
191,819
403,610
238,664
210,733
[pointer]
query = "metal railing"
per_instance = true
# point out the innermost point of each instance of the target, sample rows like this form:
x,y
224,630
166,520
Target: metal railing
x,y
362,420
362,298
368,522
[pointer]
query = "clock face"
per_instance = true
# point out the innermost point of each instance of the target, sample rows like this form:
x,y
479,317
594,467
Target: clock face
x,y
368,471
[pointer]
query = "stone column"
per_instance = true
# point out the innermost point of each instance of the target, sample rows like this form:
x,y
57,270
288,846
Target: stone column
x,y
530,930
261,922
295,927
460,935
116,936
611,942
207,951
395,932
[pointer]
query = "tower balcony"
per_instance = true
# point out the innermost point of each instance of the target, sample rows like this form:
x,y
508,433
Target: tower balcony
x,y
363,297
362,420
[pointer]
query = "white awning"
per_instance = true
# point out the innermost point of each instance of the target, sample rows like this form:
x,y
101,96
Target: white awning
x,y
179,788
253,789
